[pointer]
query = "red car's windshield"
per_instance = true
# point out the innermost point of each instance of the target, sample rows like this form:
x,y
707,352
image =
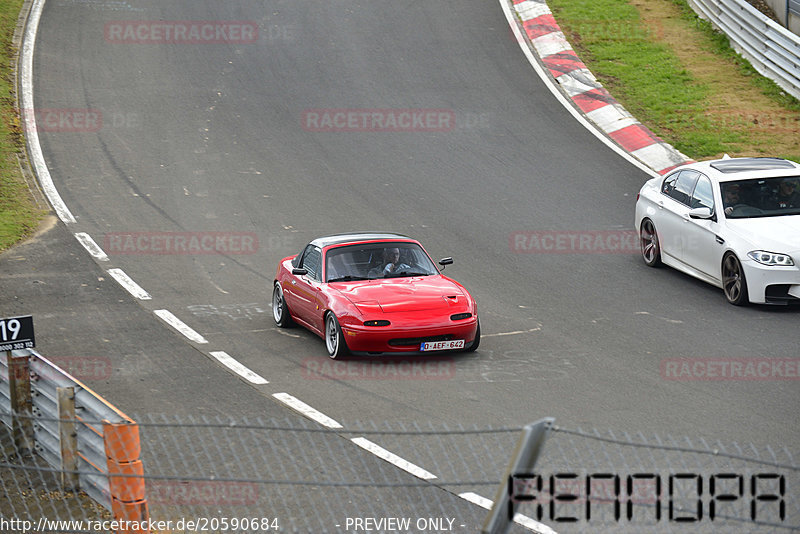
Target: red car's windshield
x,y
377,260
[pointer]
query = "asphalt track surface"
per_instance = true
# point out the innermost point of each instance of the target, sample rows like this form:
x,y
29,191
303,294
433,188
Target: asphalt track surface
x,y
214,137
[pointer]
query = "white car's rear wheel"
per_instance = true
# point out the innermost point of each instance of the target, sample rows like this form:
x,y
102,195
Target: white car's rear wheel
x,y
651,248
734,283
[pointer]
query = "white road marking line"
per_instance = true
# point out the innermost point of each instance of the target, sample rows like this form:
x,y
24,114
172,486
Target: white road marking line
x,y
392,458
90,245
280,331
515,332
520,519
474,498
308,411
180,326
238,368
132,287
29,116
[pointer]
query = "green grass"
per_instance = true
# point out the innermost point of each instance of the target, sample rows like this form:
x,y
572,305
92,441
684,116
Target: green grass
x,y
721,46
19,217
649,79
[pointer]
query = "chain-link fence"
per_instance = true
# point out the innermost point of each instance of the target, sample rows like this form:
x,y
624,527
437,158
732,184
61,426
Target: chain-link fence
x,y
295,476
606,481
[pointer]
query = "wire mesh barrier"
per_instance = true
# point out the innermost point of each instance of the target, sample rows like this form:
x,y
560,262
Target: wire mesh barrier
x,y
598,482
32,490
221,475
93,445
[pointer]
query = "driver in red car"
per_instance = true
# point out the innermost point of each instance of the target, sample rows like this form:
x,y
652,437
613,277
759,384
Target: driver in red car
x,y
391,263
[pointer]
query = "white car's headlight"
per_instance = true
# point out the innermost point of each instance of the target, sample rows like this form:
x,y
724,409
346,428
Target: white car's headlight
x,y
771,258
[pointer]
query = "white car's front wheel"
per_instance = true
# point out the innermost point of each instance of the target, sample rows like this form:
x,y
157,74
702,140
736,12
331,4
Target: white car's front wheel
x,y
648,239
734,283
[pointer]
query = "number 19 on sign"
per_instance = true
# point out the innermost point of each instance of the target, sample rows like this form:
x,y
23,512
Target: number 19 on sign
x,y
17,333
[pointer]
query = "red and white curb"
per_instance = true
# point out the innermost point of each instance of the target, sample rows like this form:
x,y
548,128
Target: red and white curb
x,y
580,86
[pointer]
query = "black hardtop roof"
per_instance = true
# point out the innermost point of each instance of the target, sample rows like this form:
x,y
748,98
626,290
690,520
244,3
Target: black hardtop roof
x,y
355,237
734,165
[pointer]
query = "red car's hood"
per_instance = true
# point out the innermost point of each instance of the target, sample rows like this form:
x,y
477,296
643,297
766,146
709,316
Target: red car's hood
x,y
406,294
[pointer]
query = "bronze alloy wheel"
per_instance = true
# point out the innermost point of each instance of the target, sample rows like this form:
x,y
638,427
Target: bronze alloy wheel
x,y
733,281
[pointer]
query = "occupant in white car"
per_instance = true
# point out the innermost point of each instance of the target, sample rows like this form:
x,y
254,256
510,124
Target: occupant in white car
x,y
730,197
787,195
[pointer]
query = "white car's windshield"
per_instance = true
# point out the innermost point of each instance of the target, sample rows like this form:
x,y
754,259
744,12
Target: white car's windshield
x,y
766,197
377,260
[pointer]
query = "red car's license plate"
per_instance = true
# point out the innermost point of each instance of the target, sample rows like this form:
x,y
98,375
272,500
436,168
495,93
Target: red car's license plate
x,y
442,345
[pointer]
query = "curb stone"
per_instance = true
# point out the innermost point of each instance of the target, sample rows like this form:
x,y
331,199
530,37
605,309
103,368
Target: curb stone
x,y
588,95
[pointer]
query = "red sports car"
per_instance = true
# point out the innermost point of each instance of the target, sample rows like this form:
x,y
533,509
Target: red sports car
x,y
372,293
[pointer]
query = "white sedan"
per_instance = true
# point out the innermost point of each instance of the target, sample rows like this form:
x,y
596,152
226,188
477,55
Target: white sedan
x,y
733,222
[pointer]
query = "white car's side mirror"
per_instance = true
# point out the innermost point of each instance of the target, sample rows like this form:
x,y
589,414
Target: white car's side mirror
x,y
701,213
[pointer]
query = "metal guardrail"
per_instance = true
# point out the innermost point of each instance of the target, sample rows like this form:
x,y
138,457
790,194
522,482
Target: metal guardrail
x,y
773,50
77,432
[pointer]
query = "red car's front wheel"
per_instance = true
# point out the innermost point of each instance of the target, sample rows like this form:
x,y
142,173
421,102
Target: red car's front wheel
x,y
334,340
280,312
474,346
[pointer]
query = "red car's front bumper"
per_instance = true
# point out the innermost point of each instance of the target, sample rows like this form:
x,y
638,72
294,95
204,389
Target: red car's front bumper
x,y
406,339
